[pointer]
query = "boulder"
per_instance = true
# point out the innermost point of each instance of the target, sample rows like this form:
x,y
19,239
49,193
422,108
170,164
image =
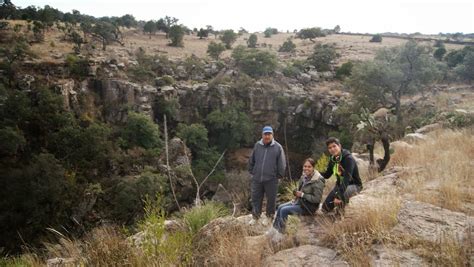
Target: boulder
x,y
307,255
429,128
413,138
430,222
222,195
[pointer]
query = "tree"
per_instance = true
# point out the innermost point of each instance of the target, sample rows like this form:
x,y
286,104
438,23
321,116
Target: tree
x,y
106,32
195,136
377,38
38,31
439,53
254,62
252,41
7,10
165,24
392,74
215,50
86,28
228,38
127,21
230,127
287,46
268,32
202,33
140,131
77,40
310,33
15,52
466,69
176,35
322,57
337,29
150,27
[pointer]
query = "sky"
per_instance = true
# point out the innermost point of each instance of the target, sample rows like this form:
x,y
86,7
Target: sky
x,y
362,16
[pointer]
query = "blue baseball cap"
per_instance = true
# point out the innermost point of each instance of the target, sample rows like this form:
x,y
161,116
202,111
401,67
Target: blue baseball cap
x,y
267,129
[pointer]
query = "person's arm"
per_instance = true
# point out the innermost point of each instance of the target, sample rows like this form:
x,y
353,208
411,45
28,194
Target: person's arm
x,y
281,163
316,194
328,173
251,163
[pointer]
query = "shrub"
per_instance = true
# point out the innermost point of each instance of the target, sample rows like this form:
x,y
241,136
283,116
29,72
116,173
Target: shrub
x,y
252,41
310,33
439,53
198,216
254,62
77,67
228,38
287,46
140,131
344,70
176,35
322,57
466,69
377,38
215,49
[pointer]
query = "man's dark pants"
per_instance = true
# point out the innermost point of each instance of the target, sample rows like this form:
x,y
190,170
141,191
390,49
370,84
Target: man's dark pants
x,y
258,191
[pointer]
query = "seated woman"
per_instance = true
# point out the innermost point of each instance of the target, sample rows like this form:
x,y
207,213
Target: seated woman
x,y
308,196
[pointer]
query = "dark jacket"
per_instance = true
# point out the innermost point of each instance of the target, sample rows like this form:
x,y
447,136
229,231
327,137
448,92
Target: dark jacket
x,y
267,162
350,172
313,193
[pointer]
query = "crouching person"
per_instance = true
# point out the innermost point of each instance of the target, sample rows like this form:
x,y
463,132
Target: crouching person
x,y
342,165
308,196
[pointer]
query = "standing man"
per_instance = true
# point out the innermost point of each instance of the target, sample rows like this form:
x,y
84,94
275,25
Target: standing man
x,y
266,165
342,165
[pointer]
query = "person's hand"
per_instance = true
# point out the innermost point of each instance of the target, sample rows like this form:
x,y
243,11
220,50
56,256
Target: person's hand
x,y
337,201
298,193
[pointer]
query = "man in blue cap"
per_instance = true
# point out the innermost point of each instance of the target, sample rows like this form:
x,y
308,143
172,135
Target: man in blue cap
x,y
266,165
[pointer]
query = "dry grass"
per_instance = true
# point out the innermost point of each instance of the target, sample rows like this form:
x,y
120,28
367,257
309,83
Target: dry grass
x,y
440,170
366,224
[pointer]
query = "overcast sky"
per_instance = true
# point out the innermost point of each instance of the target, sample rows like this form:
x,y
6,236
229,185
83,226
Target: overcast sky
x,y
371,16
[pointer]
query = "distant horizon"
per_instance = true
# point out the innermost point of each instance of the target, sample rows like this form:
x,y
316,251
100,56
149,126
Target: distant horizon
x,y
367,16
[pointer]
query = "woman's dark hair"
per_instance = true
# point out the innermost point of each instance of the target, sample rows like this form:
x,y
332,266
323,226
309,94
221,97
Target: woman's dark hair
x,y
331,140
311,161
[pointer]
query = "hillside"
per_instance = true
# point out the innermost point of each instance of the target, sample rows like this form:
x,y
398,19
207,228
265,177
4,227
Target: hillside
x,y
117,148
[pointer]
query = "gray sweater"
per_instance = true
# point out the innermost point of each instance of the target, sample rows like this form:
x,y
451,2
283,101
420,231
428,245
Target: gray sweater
x,y
267,162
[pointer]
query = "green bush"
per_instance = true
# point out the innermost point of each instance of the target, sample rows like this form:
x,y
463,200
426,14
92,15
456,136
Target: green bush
x,y
287,46
439,53
466,69
195,136
344,70
140,131
77,67
230,127
310,33
162,248
252,41
176,35
376,38
228,38
198,216
322,57
254,62
214,49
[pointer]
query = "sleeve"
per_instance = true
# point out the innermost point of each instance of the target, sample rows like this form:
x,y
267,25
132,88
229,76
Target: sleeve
x,y
348,166
317,193
251,163
328,173
281,161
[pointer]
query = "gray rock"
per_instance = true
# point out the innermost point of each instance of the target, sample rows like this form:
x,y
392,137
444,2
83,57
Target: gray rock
x,y
327,75
430,222
429,128
222,195
412,138
314,75
307,255
304,78
25,81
